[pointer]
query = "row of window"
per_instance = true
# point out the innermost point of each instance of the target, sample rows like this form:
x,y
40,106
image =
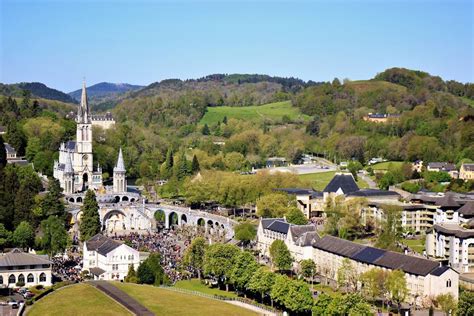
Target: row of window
x,y
21,278
43,266
129,257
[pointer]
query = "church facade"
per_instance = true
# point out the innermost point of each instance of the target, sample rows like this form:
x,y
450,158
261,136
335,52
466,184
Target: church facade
x,y
75,167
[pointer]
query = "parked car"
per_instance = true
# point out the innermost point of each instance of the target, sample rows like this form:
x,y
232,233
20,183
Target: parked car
x,y
28,295
13,304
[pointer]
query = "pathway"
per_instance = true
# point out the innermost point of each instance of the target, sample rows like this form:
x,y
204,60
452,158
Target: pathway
x,y
366,178
123,298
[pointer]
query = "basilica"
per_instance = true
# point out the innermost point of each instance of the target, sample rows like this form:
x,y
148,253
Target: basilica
x,y
75,167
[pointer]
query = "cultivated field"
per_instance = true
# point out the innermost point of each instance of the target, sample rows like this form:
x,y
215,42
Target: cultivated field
x,y
257,113
80,299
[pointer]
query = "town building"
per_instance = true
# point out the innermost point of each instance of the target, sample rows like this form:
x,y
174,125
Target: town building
x,y
466,172
273,162
298,238
104,121
18,268
108,259
12,156
443,166
381,118
425,278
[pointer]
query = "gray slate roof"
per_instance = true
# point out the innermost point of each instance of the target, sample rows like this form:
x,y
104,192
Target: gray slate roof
x,y
467,209
71,145
375,256
9,149
373,192
343,181
444,166
17,257
102,244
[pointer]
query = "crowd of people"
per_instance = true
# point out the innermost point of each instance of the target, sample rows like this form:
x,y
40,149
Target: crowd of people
x,y
67,267
169,243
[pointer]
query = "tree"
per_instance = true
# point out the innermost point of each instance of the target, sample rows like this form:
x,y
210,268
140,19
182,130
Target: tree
x,y
3,154
150,271
312,128
347,276
205,130
354,167
90,220
194,255
52,203
131,275
23,236
280,289
308,269
391,228
396,285
295,216
281,256
466,303
219,261
166,170
195,168
245,232
447,303
55,237
299,297
5,236
273,205
321,304
373,283
181,167
262,281
243,270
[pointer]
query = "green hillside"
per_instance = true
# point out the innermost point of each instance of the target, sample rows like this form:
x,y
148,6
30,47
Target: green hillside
x,y
361,86
272,111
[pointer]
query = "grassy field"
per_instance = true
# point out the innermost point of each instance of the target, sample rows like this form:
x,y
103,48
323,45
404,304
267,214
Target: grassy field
x,y
196,285
417,245
385,165
319,180
271,111
361,86
166,302
80,299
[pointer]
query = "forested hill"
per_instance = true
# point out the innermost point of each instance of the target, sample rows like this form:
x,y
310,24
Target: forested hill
x,y
105,95
36,89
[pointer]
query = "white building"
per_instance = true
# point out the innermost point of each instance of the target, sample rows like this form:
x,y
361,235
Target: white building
x,y
426,279
107,259
298,238
17,267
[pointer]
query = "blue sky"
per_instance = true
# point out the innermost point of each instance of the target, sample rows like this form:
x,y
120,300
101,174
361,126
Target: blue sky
x,y
140,42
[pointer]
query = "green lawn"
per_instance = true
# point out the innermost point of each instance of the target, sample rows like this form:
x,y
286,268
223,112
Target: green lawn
x,y
256,113
386,164
196,285
417,245
166,302
319,180
80,299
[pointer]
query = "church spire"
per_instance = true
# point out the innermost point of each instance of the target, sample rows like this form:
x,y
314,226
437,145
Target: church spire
x,y
120,167
84,108
68,167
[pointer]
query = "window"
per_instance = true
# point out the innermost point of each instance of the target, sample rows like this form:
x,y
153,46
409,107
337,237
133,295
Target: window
x,y
1,279
21,279
42,277
11,279
448,283
30,278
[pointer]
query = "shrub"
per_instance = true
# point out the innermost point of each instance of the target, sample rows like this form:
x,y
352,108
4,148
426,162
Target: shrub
x,y
411,187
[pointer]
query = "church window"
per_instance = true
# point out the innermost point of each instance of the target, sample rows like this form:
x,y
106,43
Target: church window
x,y
30,278
21,279
42,277
11,279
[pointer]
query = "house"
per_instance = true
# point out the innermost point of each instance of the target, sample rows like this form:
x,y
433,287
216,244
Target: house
x,y
425,278
380,118
418,166
11,152
18,268
466,172
443,166
108,259
298,238
276,162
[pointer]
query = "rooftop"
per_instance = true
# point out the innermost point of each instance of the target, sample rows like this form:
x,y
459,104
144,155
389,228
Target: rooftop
x,y
17,257
343,181
102,244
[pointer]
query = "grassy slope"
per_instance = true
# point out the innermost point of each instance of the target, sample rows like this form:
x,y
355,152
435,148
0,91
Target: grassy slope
x,y
54,105
319,180
196,285
78,299
385,165
257,113
166,302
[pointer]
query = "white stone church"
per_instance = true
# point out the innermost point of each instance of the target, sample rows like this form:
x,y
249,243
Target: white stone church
x,y
75,167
